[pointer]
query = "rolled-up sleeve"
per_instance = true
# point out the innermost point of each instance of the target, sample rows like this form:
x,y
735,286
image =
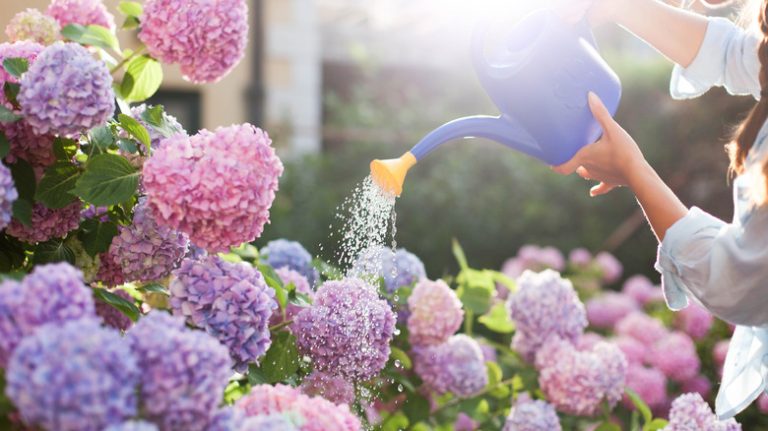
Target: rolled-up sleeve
x,y
727,58
723,266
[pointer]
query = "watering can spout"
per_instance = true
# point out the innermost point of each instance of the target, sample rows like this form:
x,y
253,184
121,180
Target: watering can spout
x,y
390,174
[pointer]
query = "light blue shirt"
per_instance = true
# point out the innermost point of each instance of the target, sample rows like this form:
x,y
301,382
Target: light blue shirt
x,y
724,266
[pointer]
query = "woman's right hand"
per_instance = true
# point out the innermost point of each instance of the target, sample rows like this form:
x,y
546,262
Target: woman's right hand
x,y
597,11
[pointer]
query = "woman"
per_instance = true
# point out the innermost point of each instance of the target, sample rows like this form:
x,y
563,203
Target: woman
x,y
723,266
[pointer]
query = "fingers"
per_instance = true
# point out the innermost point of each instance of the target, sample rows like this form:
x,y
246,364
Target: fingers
x,y
570,166
583,173
601,113
601,189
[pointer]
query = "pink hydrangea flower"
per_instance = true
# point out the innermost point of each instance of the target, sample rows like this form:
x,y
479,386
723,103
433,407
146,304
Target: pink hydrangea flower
x,y
435,313
610,266
217,187
37,150
649,383
47,223
699,384
535,258
456,366
110,272
691,412
532,415
675,355
464,423
720,351
333,388
641,327
580,257
695,321
27,50
34,26
588,340
83,12
640,288
634,350
762,403
206,38
605,310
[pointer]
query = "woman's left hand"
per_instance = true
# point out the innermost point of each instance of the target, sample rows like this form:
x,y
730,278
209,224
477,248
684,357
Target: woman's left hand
x,y
613,160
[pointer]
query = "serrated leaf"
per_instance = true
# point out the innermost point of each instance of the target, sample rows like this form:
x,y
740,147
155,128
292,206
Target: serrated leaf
x,y
282,358
64,149
102,137
128,145
53,251
5,145
8,116
135,129
92,35
22,211
11,91
24,179
96,236
130,8
16,66
121,304
156,118
108,179
57,183
498,320
145,75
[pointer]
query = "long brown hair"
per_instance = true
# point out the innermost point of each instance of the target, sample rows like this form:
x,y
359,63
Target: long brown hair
x,y
747,131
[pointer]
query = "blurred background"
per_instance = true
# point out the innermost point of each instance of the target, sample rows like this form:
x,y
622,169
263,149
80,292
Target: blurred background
x,y
340,82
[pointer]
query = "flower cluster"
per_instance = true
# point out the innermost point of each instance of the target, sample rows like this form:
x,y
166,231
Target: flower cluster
x,y
544,305
691,412
8,196
231,301
145,250
217,187
675,355
27,50
534,258
52,293
456,366
532,415
435,313
80,85
110,272
695,321
113,317
398,269
47,223
649,383
312,413
86,263
332,388
605,310
156,137
640,288
183,372
90,375
83,12
207,39
34,26
132,426
610,267
281,253
347,330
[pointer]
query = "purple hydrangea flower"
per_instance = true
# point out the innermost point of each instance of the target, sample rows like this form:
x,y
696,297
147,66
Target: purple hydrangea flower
x,y
695,321
34,26
635,351
8,196
83,12
231,301
464,423
649,383
226,419
456,366
110,272
607,309
52,293
610,267
217,187
27,50
533,258
347,330
184,372
274,422
435,313
641,327
699,384
133,426
398,269
640,288
281,253
72,377
691,412
37,150
532,415
47,223
80,85
762,403
207,39
145,250
333,388
113,317
544,305
580,257
675,355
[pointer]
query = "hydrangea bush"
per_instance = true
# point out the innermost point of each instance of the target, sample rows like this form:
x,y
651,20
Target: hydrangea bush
x,y
133,295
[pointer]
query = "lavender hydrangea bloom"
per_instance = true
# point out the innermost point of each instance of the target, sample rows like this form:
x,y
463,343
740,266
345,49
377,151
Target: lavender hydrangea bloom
x,y
532,415
649,383
640,288
435,313
52,293
226,419
113,317
347,330
80,84
641,327
544,305
274,422
47,223
280,253
145,250
580,257
83,12
8,196
133,426
207,39
607,309
231,301
34,26
456,366
184,372
691,412
333,388
398,269
695,321
699,384
610,266
675,355
77,376
535,258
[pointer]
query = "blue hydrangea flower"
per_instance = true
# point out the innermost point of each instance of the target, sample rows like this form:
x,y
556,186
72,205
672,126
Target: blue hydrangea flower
x,y
399,268
456,366
281,252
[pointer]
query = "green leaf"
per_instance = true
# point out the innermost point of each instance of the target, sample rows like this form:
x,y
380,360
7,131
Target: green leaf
x,y
22,211
153,288
5,146
8,116
11,91
128,145
478,300
64,149
96,236
416,408
130,23
655,425
135,129
144,75
273,280
11,253
130,8
498,320
156,118
256,375
282,358
641,406
458,252
398,355
93,35
608,426
53,251
396,422
16,66
102,137
24,179
57,183
109,179
121,304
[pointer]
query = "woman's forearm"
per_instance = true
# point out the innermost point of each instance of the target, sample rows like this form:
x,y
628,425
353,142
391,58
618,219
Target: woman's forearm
x,y
674,32
661,206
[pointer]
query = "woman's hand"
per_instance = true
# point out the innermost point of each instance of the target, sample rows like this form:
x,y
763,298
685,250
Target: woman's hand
x,y
614,160
597,11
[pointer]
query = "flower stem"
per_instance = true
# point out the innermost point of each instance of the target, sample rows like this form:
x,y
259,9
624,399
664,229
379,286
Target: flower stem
x,y
280,326
125,60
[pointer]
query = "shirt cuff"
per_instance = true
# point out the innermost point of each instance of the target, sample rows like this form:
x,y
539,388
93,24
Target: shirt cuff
x,y
706,69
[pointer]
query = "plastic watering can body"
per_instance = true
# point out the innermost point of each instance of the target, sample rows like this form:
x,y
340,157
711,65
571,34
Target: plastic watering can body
x,y
539,81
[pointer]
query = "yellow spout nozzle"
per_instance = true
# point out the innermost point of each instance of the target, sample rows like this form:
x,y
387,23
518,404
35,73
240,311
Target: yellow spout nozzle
x,y
390,174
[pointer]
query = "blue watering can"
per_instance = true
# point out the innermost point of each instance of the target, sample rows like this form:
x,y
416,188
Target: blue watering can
x,y
539,82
